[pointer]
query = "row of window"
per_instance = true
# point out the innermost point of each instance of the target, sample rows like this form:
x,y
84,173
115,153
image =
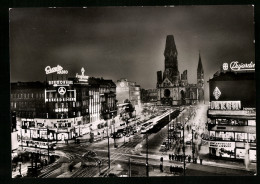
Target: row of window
x,y
26,105
237,122
232,136
27,95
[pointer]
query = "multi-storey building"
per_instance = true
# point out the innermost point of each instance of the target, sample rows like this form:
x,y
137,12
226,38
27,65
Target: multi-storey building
x,y
232,113
62,108
173,89
128,90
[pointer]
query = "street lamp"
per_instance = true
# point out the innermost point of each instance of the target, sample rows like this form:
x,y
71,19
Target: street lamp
x,y
129,165
186,119
114,133
193,151
99,164
108,153
48,144
147,166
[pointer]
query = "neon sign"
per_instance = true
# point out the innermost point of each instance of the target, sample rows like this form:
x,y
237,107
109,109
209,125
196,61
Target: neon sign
x,y
236,66
58,69
225,105
62,90
82,77
68,99
216,93
60,83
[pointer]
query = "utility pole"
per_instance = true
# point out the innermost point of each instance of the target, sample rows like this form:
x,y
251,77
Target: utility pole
x,y
183,149
108,153
114,133
192,145
169,131
147,166
48,144
21,138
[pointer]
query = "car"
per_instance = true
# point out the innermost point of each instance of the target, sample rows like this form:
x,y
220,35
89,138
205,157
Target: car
x,y
162,147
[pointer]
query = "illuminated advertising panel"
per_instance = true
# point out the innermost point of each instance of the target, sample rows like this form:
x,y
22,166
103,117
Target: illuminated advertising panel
x,y
50,95
57,69
223,149
82,77
225,105
60,82
238,66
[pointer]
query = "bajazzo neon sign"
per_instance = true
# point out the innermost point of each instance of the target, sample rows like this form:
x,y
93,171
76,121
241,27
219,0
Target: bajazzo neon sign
x,y
236,66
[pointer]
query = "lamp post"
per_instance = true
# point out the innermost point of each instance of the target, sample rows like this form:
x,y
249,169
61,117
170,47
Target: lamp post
x,y
114,133
48,145
108,153
99,164
129,165
184,146
168,147
193,151
147,166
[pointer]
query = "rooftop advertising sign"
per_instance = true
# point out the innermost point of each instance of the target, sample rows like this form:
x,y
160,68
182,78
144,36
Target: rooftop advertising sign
x,y
236,66
82,77
58,69
60,82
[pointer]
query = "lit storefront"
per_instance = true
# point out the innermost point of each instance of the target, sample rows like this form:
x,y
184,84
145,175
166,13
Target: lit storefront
x,y
232,113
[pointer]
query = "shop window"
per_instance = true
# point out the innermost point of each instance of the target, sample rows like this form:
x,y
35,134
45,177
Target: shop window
x,y
240,153
241,122
241,137
252,155
222,121
252,137
251,123
227,136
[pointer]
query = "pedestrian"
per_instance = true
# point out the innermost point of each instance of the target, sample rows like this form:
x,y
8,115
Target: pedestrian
x,y
189,158
170,156
171,169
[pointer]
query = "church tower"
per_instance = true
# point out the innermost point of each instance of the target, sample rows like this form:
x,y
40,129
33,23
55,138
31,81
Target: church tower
x,y
200,80
171,63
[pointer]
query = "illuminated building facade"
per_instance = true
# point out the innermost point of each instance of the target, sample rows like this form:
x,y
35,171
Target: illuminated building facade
x,y
62,108
232,114
128,90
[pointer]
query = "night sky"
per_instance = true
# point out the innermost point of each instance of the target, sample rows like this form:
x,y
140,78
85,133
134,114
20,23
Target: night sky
x,y
128,42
